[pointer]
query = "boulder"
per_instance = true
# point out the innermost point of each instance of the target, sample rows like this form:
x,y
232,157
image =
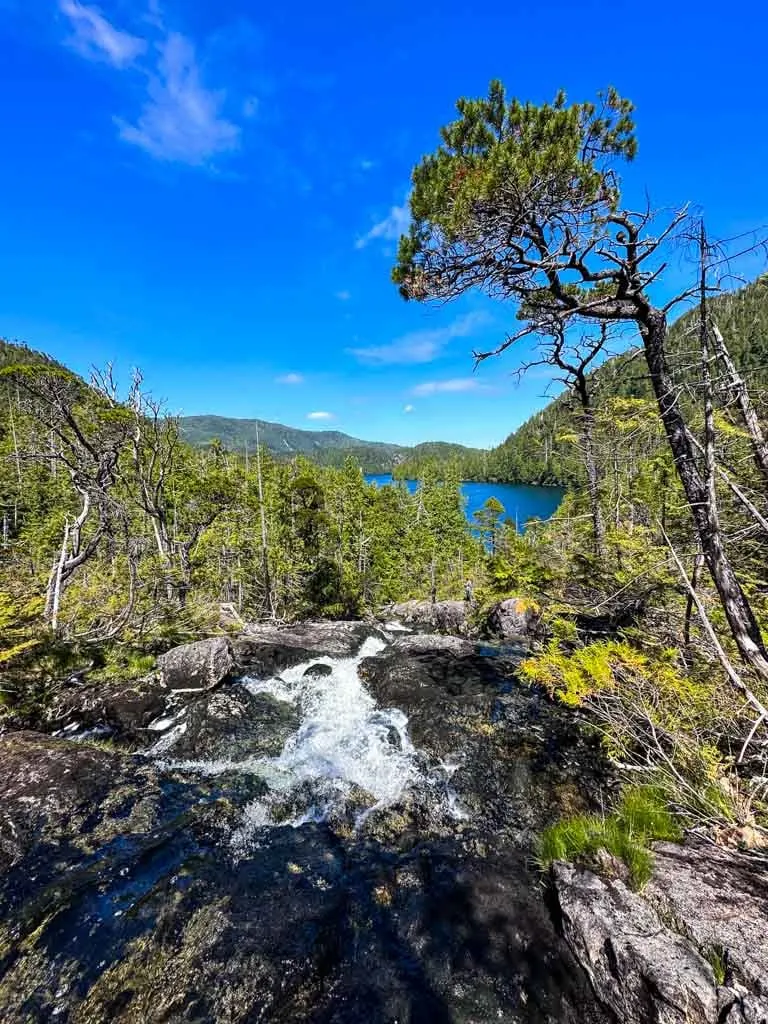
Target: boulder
x,y
319,671
202,665
513,618
639,967
441,616
263,649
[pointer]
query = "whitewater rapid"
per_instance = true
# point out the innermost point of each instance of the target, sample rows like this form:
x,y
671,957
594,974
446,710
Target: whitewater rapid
x,y
345,747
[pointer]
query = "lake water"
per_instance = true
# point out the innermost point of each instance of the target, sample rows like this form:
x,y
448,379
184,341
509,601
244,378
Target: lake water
x,y
520,501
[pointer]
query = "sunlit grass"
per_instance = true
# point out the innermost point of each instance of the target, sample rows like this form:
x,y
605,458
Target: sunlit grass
x,y
640,818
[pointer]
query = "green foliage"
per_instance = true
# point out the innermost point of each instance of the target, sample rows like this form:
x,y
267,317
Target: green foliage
x,y
18,627
498,149
169,532
640,818
717,957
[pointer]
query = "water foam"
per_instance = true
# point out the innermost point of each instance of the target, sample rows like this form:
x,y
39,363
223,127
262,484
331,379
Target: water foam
x,y
345,747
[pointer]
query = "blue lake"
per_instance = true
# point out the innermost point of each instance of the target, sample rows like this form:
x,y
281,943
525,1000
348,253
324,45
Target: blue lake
x,y
520,501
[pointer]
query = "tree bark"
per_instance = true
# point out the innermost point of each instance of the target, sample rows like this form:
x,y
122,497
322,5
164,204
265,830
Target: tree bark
x,y
741,619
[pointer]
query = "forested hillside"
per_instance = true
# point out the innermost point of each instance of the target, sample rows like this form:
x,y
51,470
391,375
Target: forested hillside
x,y
542,449
325,447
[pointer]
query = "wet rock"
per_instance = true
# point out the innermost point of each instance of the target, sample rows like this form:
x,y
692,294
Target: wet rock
x,y
513,618
136,893
441,616
55,791
318,671
263,650
511,759
639,967
232,724
119,708
311,930
434,679
202,665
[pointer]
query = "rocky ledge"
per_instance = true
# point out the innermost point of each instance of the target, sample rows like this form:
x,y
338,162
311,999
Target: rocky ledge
x,y
691,949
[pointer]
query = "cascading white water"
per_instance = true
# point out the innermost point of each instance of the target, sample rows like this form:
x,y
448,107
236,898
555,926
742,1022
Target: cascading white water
x,y
343,741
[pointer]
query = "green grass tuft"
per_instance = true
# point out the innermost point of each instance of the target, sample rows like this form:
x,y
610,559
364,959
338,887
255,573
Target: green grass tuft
x,y
717,958
640,818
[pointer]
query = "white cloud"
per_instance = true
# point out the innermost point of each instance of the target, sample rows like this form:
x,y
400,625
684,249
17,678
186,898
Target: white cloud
x,y
290,378
181,120
367,165
420,346
407,408
343,296
457,384
95,38
320,416
388,230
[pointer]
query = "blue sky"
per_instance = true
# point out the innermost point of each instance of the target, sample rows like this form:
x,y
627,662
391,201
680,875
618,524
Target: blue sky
x,y
213,191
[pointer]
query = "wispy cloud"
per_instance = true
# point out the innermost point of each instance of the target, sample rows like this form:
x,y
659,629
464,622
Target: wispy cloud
x,y
407,408
457,384
181,119
95,38
320,415
420,346
343,296
290,378
367,165
388,230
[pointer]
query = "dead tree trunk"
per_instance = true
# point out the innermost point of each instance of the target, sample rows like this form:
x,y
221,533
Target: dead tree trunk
x,y
738,389
738,611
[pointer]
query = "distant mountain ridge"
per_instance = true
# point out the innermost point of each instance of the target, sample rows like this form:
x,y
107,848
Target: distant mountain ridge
x,y
328,447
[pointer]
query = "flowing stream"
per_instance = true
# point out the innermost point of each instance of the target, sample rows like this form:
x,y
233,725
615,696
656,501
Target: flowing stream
x,y
346,752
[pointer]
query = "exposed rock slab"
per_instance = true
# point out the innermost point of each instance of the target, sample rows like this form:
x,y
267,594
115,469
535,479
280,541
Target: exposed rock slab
x,y
55,791
441,616
641,969
124,897
264,649
649,954
718,898
516,759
